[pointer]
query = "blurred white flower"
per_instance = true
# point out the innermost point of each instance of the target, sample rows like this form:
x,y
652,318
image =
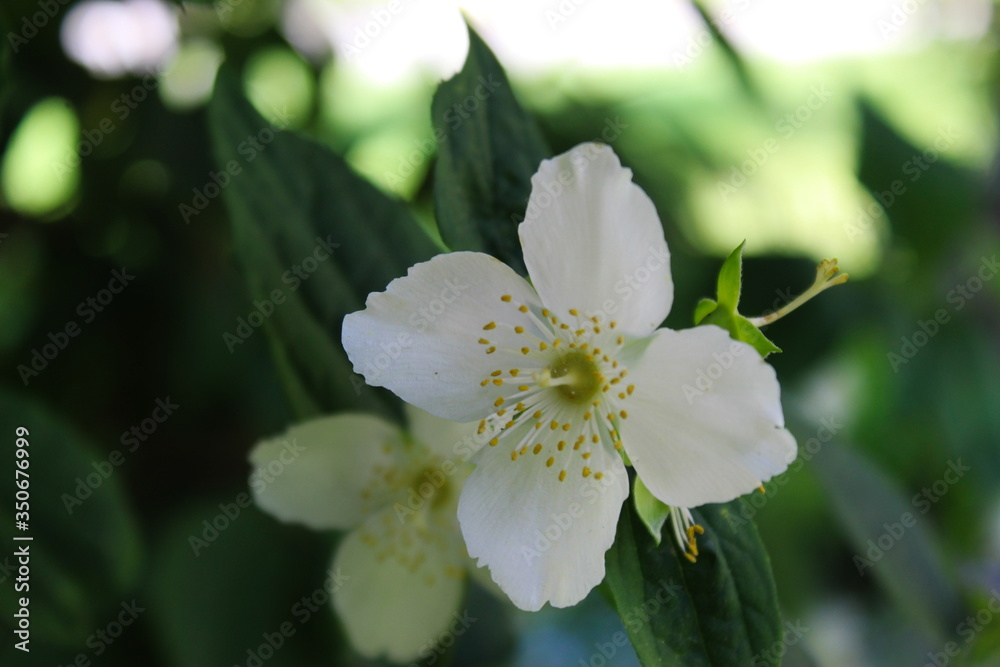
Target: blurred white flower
x,y
401,568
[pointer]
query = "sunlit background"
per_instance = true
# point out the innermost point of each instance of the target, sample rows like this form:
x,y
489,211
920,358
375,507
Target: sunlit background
x,y
780,122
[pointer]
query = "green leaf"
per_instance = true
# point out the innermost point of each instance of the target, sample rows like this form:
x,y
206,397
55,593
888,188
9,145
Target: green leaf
x,y
748,332
730,281
874,513
248,569
720,611
85,551
704,308
306,227
650,509
488,151
724,313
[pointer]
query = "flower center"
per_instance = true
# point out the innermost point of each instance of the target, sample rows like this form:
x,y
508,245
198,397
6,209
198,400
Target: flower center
x,y
432,485
575,376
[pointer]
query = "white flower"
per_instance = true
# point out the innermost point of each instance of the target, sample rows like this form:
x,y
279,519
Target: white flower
x,y
566,371
399,575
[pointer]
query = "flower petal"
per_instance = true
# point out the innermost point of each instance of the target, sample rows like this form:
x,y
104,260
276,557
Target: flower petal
x,y
592,241
421,337
452,441
543,539
402,585
327,472
705,423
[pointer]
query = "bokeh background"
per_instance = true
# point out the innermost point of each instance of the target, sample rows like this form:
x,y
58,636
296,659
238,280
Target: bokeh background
x,y
859,130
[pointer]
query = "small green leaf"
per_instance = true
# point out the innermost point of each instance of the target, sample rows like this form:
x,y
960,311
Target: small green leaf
x,y
748,332
725,312
717,612
704,308
730,280
650,509
490,149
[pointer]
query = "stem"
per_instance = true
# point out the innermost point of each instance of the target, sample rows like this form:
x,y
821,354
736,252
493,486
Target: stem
x,y
827,275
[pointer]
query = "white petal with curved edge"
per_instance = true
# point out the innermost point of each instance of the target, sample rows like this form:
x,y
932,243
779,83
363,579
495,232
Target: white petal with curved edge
x,y
396,604
452,441
543,539
319,471
705,423
420,338
592,241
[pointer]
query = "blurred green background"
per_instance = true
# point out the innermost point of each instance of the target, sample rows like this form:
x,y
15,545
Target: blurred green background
x,y
864,131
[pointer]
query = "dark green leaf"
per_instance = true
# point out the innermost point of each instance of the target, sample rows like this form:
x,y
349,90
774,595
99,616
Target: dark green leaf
x,y
734,59
489,148
219,585
84,551
293,202
720,611
873,513
916,191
